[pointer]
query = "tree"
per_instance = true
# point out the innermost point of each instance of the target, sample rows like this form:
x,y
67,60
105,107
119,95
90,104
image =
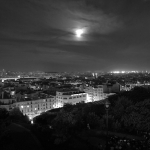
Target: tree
x,y
116,126
16,115
44,119
137,116
3,113
68,107
4,121
63,122
120,106
93,120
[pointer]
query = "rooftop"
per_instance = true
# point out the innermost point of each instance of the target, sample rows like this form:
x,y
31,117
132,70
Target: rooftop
x,y
33,99
68,90
70,93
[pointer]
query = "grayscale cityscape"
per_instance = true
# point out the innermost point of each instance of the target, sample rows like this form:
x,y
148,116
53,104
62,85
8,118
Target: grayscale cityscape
x,y
74,75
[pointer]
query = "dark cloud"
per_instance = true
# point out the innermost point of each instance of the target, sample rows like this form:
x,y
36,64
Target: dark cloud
x,y
40,35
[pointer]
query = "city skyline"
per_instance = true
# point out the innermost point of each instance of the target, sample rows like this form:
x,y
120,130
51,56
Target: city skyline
x,y
74,35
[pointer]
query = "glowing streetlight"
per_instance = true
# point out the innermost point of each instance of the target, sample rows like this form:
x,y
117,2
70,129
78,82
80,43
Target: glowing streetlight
x,y
79,32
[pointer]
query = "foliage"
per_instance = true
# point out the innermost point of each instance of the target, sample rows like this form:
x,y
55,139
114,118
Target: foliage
x,y
116,126
15,115
137,117
93,120
44,119
4,122
63,122
68,107
131,110
3,114
137,94
120,106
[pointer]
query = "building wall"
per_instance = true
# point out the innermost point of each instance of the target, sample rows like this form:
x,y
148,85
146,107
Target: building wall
x,y
94,93
72,98
116,88
111,88
35,107
75,98
7,101
7,107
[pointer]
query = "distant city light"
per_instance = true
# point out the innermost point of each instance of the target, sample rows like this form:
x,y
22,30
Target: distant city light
x,y
117,72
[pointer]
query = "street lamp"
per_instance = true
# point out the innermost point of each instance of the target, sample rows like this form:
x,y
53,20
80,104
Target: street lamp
x,y
107,104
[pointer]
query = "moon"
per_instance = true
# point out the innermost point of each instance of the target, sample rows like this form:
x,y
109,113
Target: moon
x,y
79,32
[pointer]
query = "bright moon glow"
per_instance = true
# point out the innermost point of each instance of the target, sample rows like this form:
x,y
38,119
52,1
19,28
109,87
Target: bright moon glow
x,y
79,32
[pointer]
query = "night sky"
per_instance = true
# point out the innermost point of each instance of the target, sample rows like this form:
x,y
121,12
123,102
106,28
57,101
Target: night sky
x,y
40,35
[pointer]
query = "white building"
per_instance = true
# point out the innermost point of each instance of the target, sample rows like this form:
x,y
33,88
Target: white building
x,y
69,96
94,93
33,108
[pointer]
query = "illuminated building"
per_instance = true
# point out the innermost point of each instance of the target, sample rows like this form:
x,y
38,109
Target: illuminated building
x,y
95,93
33,108
69,96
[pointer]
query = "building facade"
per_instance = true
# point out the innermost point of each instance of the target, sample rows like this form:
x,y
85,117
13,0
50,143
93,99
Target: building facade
x,y
94,93
33,108
69,96
8,104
